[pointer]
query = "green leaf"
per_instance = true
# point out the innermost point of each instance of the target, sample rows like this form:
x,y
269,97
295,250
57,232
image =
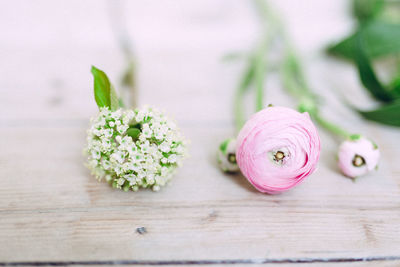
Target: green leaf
x,y
367,9
395,86
104,92
367,74
388,114
380,38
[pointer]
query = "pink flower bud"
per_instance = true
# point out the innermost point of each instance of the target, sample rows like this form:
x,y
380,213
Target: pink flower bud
x,y
358,157
277,148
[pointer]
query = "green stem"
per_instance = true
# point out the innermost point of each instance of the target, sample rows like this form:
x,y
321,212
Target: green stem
x,y
255,71
269,29
238,110
259,76
245,82
295,83
333,128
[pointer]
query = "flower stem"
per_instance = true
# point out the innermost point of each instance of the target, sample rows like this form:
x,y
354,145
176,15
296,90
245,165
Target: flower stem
x,y
295,83
245,82
333,128
259,77
269,31
256,69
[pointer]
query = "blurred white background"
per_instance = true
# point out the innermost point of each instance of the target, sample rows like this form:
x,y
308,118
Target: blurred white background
x,y
47,48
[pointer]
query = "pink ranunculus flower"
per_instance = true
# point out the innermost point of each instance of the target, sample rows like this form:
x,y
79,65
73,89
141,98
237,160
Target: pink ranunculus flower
x,y
358,156
277,148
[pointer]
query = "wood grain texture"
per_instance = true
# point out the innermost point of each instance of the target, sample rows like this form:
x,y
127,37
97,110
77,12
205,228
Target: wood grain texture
x,y
52,211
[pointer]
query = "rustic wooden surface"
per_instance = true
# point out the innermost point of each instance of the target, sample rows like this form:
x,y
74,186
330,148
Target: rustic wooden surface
x,y
53,212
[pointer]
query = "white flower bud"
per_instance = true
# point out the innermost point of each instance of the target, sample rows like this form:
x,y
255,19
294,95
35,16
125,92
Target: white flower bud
x,y
226,156
358,156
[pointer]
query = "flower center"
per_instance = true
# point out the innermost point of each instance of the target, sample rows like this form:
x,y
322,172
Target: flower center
x,y
232,158
279,156
358,161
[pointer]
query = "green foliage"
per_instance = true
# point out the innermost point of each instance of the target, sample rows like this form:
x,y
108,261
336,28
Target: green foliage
x,y
104,93
376,36
367,9
380,39
387,114
367,74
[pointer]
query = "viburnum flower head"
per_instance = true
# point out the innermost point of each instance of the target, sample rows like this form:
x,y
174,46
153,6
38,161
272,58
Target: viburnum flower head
x,y
134,149
358,156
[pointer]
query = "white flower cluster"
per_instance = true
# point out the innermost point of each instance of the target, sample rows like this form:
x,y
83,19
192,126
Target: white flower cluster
x,y
134,148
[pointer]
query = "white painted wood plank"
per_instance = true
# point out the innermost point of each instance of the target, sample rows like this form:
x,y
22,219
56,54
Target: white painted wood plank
x,y
203,213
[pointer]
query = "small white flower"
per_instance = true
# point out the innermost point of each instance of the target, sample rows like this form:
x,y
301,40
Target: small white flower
x,y
105,144
121,181
146,131
145,147
107,132
165,147
141,174
122,128
101,122
118,156
156,188
128,117
142,138
140,116
104,113
158,134
179,149
172,158
96,154
116,115
96,132
131,179
108,178
164,171
105,164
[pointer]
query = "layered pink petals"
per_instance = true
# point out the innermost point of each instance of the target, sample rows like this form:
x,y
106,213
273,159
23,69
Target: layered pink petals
x,y
358,157
270,134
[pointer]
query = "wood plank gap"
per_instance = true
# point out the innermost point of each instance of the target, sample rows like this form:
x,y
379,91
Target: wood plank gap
x,y
204,262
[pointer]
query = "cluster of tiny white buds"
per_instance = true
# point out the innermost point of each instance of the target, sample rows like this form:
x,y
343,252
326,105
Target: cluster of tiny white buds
x,y
134,149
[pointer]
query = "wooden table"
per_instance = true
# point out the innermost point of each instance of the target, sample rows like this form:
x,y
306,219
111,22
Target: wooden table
x,y
53,212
